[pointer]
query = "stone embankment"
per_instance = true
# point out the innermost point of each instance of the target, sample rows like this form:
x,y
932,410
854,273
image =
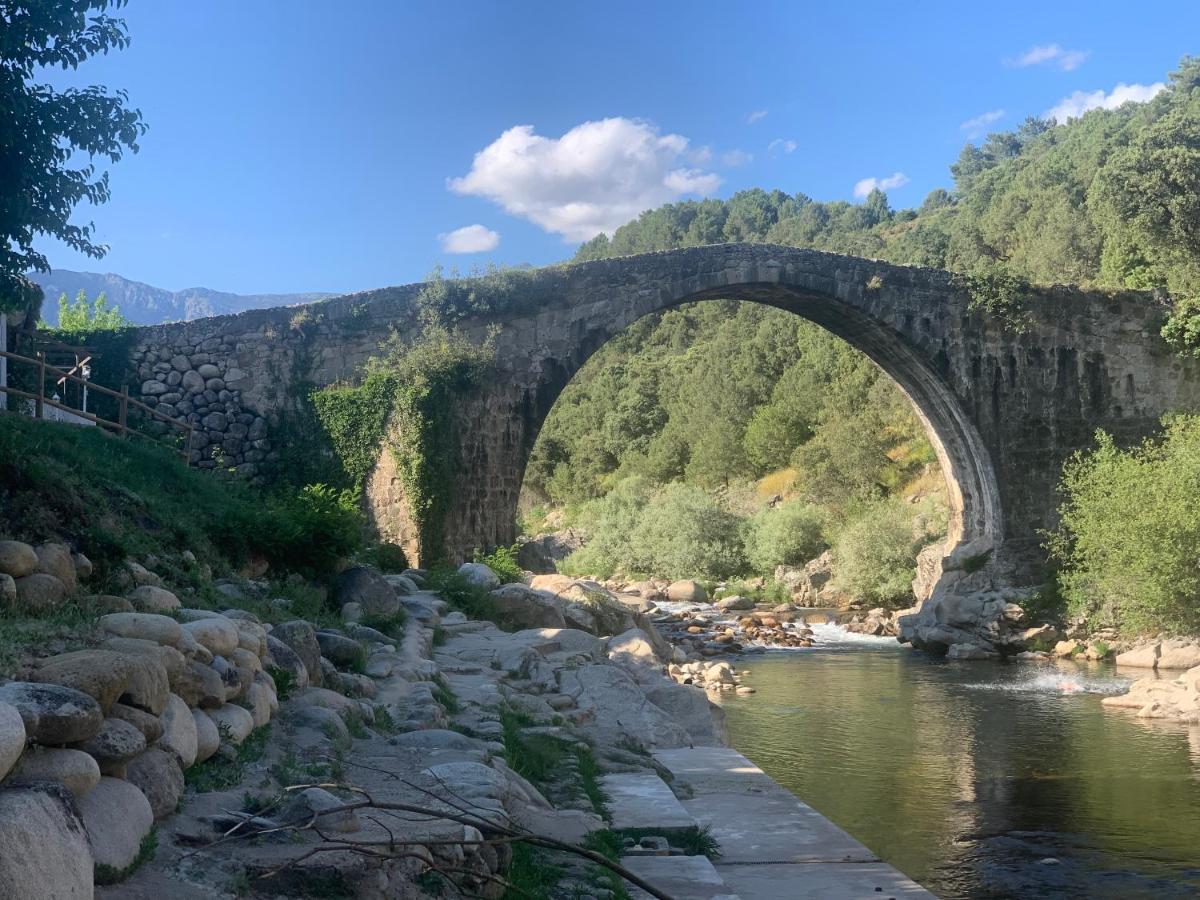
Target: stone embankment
x,y
193,753
1163,694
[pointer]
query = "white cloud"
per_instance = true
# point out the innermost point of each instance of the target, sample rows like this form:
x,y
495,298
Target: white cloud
x,y
1078,103
757,116
866,185
469,239
978,125
735,158
596,177
1050,54
779,145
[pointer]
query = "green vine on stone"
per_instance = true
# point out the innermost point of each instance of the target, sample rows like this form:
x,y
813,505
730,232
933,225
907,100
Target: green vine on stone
x,y
407,395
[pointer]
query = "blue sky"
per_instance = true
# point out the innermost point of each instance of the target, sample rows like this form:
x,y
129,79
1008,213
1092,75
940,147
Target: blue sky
x,y
295,148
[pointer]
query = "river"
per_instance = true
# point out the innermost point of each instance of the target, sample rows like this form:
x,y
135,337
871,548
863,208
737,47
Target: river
x,y
978,779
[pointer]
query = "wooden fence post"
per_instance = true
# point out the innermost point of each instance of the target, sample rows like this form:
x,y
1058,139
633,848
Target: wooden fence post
x,y
40,404
123,414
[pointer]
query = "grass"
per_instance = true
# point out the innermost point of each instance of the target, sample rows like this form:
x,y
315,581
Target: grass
x,y
472,601
219,773
304,601
440,635
531,874
18,632
110,875
114,500
284,680
289,771
385,723
392,626
543,758
445,696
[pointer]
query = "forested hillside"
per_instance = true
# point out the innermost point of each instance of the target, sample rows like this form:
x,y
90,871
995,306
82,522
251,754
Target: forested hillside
x,y
1111,198
717,395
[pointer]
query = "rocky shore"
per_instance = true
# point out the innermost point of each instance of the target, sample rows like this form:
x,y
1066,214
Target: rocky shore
x,y
192,753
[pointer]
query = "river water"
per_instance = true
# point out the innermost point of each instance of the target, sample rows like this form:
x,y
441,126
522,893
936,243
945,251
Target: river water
x,y
979,779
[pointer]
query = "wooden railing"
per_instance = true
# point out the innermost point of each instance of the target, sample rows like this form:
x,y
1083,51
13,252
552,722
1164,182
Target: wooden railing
x,y
124,401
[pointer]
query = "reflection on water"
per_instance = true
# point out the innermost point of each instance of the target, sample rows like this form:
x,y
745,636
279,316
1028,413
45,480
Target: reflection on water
x,y
979,779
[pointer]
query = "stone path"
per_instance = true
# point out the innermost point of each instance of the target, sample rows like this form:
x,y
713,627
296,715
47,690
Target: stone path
x,y
773,847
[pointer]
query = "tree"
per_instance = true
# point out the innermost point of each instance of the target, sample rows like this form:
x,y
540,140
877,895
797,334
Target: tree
x,y
43,131
83,316
876,207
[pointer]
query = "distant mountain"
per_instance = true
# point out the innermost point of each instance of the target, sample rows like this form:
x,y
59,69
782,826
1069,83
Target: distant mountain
x,y
144,304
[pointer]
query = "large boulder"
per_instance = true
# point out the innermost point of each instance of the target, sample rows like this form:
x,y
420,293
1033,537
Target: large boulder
x,y
8,591
342,651
1144,656
44,852
151,599
687,591
40,592
77,771
53,714
634,652
302,638
114,745
150,726
200,685
17,559
301,808
156,773
233,722
208,737
137,680
179,732
543,553
12,737
1179,653
171,660
55,559
117,817
614,711
369,589
144,626
218,635
690,707
734,604
519,606
479,575
281,656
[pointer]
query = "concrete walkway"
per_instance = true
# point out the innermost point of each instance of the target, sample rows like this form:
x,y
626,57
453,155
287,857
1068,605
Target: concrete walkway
x,y
773,847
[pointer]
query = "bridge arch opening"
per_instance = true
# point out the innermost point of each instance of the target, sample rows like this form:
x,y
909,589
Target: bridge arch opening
x,y
975,520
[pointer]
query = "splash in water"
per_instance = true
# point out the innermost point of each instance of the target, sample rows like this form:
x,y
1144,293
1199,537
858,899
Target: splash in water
x,y
1057,682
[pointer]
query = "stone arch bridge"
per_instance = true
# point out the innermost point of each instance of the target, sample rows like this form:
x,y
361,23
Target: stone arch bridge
x,y
1003,409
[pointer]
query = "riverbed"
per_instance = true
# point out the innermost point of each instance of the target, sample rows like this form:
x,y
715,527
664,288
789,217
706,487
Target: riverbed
x,y
979,779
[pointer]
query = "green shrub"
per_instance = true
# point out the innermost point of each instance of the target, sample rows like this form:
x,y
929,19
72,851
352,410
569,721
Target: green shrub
x,y
786,535
1129,532
387,557
307,531
875,554
468,598
502,561
678,531
609,523
685,532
